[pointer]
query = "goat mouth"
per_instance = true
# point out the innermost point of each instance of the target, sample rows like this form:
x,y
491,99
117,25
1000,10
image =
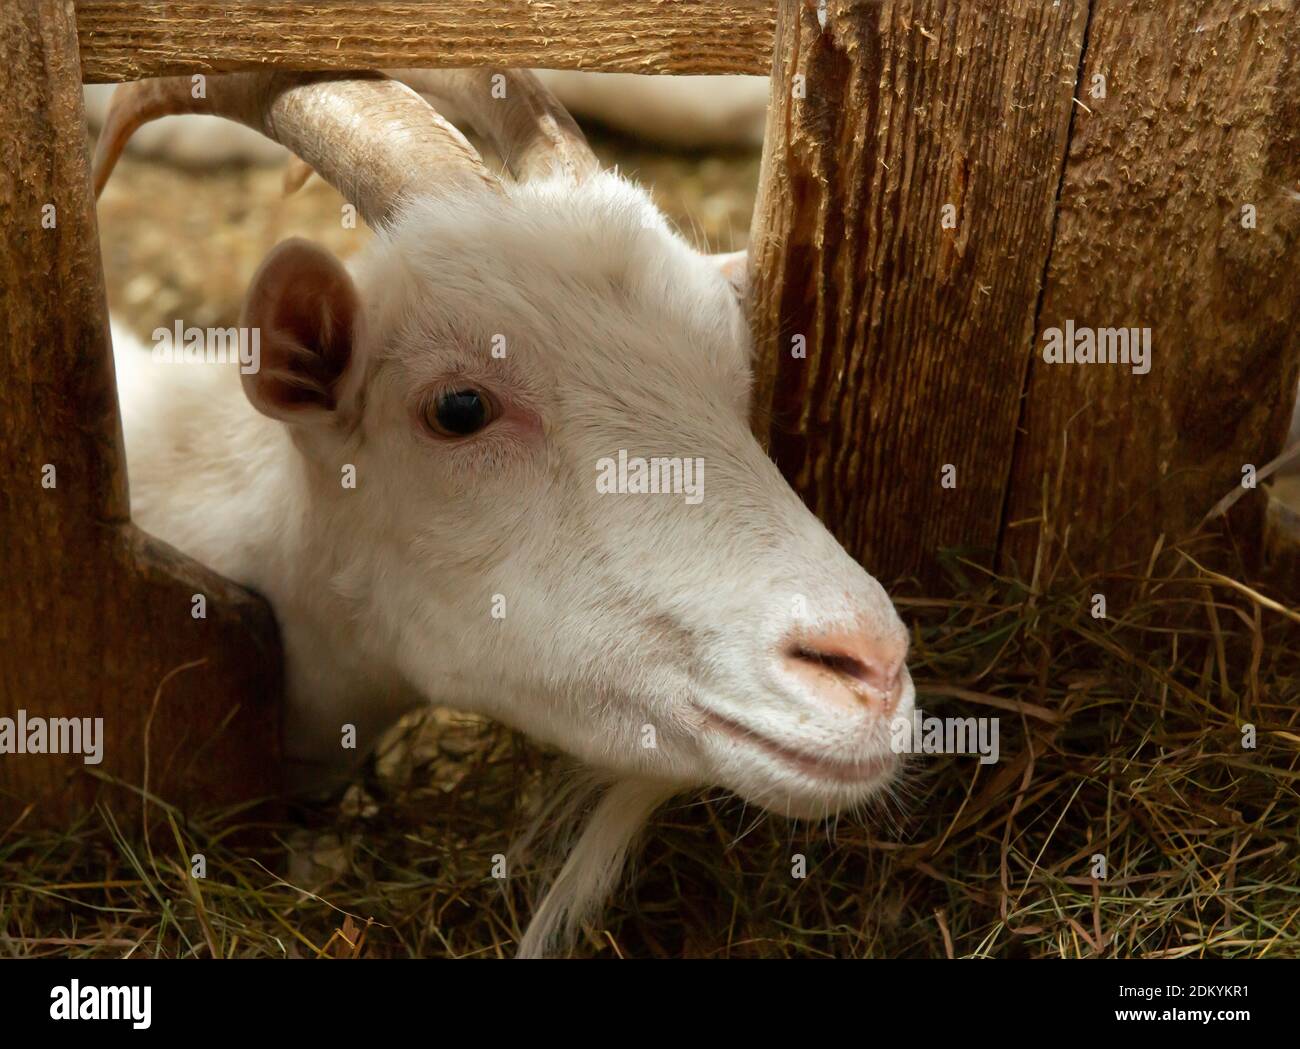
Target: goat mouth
x,y
811,765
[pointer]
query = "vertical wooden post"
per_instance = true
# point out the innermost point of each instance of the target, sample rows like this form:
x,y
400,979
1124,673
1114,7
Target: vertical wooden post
x,y
909,180
95,617
1179,213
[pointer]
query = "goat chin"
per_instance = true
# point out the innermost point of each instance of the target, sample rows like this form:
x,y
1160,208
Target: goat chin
x,y
595,860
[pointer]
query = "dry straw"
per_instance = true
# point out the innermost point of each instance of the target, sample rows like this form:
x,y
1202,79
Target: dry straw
x,y
1120,737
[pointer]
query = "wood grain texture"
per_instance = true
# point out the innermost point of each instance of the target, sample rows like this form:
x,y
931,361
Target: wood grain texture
x,y
93,613
1201,117
917,336
130,39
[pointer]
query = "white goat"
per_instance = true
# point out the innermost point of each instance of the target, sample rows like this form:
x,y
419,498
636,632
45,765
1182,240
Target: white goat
x,y
495,348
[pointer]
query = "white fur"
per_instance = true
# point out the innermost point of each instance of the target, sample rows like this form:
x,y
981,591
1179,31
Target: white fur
x,y
623,612
595,860
1291,468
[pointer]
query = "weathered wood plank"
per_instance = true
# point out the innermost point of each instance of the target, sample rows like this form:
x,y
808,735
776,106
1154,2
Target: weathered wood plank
x,y
917,335
130,39
1201,118
94,614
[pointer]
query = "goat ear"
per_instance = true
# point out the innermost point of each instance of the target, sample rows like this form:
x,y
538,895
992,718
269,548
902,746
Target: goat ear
x,y
734,266
305,308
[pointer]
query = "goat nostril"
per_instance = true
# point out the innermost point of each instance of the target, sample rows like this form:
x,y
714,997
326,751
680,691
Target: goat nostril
x,y
872,674
854,662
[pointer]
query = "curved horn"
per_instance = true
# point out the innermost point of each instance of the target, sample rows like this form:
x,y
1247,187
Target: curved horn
x,y
525,123
375,140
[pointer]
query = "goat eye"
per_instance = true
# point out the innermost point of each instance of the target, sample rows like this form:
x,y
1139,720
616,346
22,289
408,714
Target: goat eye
x,y
459,413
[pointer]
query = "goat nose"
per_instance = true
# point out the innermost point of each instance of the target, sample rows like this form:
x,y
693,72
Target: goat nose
x,y
850,668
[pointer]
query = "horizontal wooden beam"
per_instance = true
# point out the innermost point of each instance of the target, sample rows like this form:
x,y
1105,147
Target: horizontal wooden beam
x,y
131,39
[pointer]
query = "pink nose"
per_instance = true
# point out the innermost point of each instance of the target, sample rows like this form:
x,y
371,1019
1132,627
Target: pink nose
x,y
850,668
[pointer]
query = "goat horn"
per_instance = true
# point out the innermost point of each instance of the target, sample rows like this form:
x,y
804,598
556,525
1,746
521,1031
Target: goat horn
x,y
525,123
375,140
296,175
